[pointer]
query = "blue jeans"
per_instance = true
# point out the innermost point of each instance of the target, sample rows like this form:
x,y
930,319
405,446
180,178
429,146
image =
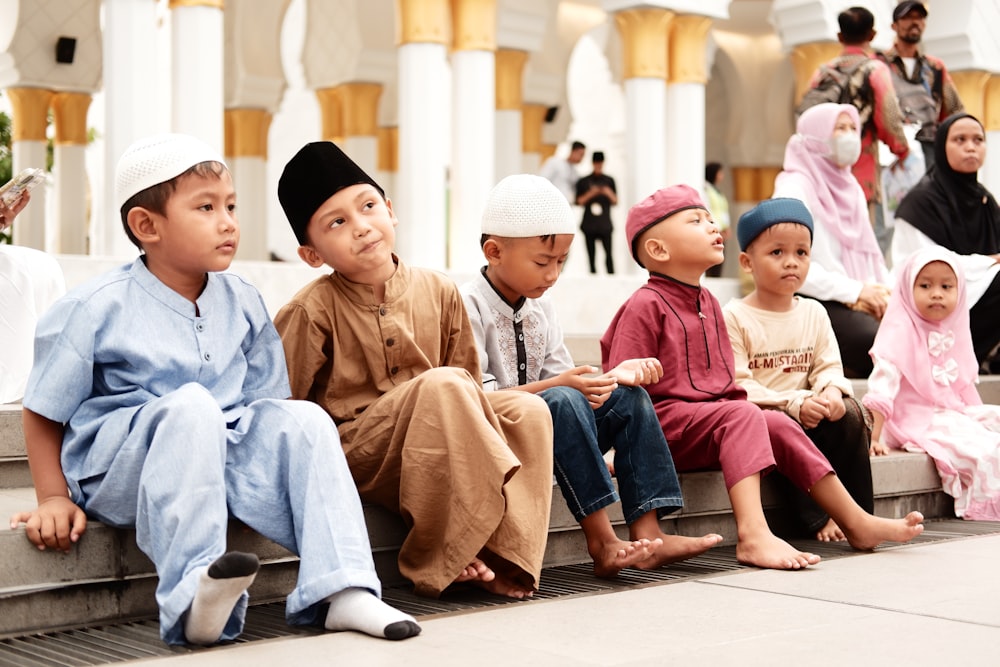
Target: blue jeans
x,y
280,469
645,471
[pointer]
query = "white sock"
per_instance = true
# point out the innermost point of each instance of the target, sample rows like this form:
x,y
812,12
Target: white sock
x,y
219,589
359,609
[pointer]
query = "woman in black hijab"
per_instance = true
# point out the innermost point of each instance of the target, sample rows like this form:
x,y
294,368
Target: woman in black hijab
x,y
950,208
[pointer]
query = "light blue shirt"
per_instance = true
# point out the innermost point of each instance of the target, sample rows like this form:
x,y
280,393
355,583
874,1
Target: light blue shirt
x,y
113,344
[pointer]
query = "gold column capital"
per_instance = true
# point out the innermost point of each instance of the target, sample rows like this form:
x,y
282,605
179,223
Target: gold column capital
x,y
474,25
991,114
69,115
509,66
30,113
532,118
686,49
971,85
359,106
216,4
644,39
806,59
331,114
246,132
421,21
388,149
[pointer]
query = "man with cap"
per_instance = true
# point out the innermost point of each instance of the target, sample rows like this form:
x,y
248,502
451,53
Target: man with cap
x,y
596,193
706,417
158,397
388,351
787,357
527,232
926,92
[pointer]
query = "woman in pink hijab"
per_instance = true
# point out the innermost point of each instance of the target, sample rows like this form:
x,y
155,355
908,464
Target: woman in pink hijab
x,y
922,392
847,273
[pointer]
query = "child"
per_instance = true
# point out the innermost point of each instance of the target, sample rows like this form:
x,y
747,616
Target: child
x,y
787,357
922,392
705,417
157,397
388,352
527,231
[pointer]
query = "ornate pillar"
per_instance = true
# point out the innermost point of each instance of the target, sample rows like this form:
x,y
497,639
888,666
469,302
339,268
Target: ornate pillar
x,y
990,173
246,132
644,40
806,59
359,104
29,122
509,99
422,28
473,126
532,120
687,76
971,85
388,158
196,73
69,113
331,114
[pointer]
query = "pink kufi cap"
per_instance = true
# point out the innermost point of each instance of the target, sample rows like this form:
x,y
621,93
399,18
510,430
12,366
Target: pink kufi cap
x,y
653,209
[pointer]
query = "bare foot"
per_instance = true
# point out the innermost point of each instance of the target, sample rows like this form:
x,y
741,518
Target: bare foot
x,y
875,530
831,532
774,553
477,570
675,548
503,585
613,557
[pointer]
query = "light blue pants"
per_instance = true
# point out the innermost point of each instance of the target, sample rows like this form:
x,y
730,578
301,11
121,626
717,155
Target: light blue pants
x,y
279,469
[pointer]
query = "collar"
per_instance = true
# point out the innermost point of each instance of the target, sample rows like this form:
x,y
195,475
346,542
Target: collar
x,y
514,307
168,297
364,295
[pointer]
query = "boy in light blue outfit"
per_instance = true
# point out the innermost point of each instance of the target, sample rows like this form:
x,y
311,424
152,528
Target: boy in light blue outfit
x,y
158,398
528,228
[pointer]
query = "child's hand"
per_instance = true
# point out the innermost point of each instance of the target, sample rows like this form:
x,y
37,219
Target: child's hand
x,y
637,372
877,448
596,389
814,410
835,403
57,523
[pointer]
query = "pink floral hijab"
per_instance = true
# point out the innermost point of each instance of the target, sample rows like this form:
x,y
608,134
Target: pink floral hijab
x,y
834,196
936,359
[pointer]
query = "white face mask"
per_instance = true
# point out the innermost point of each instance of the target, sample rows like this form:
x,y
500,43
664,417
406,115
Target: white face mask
x,y
845,149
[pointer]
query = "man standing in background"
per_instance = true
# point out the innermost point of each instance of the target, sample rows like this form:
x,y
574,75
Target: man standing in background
x,y
562,171
596,193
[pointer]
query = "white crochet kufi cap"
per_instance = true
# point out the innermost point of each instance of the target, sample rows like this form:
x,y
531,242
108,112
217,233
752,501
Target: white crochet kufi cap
x,y
157,159
524,205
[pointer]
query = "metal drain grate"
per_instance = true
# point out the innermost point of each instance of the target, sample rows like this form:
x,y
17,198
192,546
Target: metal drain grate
x,y
121,642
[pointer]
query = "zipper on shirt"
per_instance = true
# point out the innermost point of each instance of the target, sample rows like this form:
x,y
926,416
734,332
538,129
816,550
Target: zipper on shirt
x,y
704,332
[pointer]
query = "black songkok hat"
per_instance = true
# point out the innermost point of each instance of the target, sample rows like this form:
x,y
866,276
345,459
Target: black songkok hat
x,y
316,173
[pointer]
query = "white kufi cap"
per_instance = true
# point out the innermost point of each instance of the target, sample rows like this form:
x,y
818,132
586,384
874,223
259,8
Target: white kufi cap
x,y
157,159
524,205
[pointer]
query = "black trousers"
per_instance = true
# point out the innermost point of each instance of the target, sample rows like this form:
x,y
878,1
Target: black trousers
x,y
605,239
855,334
845,444
984,323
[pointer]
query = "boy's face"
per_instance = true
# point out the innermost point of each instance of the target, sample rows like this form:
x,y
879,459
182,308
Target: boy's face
x,y
935,291
526,267
354,232
199,232
688,240
778,259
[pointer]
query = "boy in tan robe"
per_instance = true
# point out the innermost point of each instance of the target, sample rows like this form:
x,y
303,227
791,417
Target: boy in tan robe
x,y
388,351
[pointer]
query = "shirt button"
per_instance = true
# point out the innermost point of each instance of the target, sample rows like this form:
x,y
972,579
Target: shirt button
x,y
394,370
382,311
520,337
521,366
208,356
199,326
390,342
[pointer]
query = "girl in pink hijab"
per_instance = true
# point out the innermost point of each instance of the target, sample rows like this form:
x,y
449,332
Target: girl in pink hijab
x,y
847,273
922,392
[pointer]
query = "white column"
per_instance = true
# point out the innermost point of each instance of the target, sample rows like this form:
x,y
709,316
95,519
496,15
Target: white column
x,y
645,137
420,184
68,171
197,86
249,176
473,154
685,137
130,86
509,159
29,228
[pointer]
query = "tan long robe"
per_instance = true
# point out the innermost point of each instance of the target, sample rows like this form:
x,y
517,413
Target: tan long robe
x,y
465,469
